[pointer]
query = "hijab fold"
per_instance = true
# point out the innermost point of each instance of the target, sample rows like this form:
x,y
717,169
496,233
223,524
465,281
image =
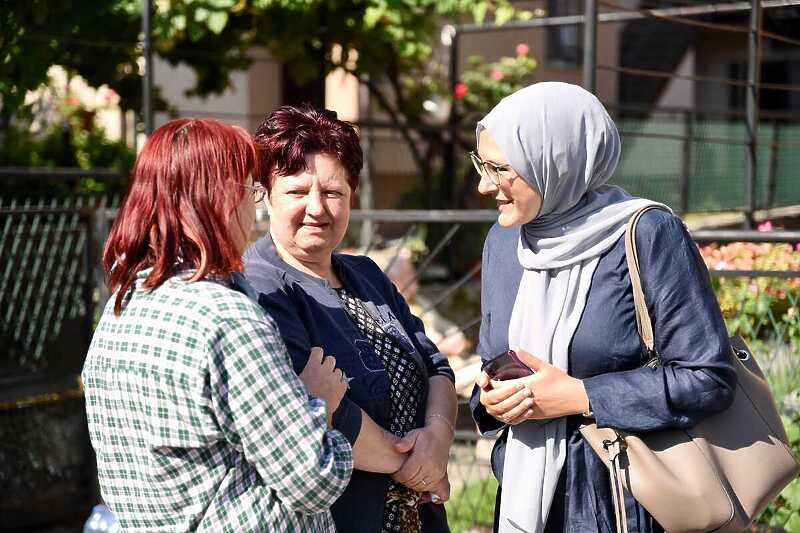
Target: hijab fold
x,y
562,142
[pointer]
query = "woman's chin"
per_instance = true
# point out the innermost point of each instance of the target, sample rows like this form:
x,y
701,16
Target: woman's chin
x,y
316,245
508,219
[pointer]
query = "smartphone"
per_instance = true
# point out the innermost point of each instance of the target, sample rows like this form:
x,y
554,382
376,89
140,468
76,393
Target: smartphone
x,y
505,366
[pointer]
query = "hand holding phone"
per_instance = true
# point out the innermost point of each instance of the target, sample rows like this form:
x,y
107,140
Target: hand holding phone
x,y
506,365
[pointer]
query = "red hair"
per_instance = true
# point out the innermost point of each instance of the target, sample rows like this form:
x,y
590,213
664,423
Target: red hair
x,y
182,197
290,134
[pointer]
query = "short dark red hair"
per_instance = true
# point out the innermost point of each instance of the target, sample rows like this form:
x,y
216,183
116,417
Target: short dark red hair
x,y
291,133
182,197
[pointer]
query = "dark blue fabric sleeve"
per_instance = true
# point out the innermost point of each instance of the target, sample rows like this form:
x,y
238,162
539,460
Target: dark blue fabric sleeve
x,y
435,361
696,377
487,424
347,417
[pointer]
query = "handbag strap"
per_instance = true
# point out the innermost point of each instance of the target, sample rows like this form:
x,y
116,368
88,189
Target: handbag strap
x,y
645,327
643,323
615,449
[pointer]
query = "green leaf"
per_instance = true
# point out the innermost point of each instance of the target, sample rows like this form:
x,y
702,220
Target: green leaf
x,y
782,516
479,12
525,15
179,22
792,429
372,15
503,14
793,524
792,494
217,21
201,14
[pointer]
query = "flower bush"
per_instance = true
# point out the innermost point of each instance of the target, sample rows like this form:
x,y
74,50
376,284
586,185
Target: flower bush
x,y
758,308
485,84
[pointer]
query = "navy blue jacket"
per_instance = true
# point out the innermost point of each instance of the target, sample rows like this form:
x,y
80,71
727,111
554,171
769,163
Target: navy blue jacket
x,y
696,378
309,313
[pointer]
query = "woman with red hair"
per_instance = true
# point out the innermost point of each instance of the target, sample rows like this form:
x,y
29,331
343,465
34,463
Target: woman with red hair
x,y
197,419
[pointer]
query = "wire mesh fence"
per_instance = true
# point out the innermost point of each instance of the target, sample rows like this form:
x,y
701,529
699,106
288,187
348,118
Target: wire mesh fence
x,y
661,154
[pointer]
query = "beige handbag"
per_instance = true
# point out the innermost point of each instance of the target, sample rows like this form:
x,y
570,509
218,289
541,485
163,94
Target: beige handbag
x,y
716,476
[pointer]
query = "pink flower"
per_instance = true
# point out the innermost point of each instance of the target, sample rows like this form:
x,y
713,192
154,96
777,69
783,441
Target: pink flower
x,y
496,75
765,226
72,100
460,90
523,49
797,247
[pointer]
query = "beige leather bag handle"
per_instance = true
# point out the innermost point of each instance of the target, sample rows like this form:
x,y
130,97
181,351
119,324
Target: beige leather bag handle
x,y
645,327
643,322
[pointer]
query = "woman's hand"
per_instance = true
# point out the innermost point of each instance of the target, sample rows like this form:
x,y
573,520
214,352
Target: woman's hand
x,y
548,393
322,379
429,451
507,402
438,493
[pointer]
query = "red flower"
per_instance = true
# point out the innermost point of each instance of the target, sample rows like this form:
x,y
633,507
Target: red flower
x,y
523,49
460,90
496,75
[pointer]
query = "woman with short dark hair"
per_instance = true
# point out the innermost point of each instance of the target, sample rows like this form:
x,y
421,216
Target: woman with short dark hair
x,y
400,406
196,417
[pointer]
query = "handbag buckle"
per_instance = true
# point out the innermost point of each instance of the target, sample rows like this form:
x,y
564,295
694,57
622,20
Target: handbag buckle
x,y
619,441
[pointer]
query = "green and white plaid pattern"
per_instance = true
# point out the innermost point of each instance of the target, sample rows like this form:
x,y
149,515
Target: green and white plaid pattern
x,y
199,422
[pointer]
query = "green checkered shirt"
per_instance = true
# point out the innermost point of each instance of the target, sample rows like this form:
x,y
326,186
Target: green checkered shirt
x,y
199,422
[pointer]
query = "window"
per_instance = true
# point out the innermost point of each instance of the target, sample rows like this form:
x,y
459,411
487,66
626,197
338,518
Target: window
x,y
780,71
565,43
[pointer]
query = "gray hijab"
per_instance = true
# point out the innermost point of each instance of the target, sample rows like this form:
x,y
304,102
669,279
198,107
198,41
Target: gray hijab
x,y
562,142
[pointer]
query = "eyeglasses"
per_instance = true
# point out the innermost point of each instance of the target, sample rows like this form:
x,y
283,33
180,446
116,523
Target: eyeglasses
x,y
259,191
495,173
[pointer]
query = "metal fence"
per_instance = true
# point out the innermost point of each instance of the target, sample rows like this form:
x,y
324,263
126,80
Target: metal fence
x,y
698,164
46,311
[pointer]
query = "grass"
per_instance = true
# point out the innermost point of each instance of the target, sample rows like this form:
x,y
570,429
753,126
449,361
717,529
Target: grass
x,y
472,507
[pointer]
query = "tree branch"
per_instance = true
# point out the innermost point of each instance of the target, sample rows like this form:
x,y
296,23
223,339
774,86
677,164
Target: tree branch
x,y
404,128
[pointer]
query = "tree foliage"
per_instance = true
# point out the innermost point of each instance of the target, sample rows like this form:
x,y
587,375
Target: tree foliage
x,y
387,44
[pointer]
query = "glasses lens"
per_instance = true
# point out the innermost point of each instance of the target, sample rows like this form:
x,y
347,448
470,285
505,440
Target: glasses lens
x,y
492,173
477,163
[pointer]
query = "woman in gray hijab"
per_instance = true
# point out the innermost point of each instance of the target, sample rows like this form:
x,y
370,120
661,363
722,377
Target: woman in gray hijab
x,y
555,288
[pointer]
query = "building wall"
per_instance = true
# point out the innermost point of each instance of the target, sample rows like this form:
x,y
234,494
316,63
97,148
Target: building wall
x,y
716,51
251,94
